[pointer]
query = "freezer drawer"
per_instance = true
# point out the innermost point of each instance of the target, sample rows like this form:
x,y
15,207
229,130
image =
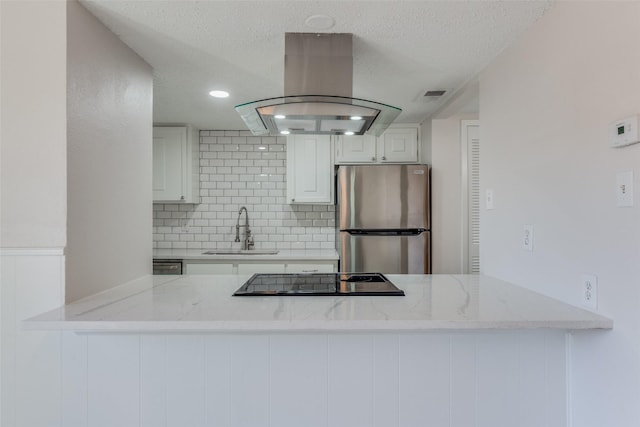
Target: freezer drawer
x,y
385,252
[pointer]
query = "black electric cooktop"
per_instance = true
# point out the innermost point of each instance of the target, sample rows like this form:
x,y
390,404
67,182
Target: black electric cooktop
x,y
327,284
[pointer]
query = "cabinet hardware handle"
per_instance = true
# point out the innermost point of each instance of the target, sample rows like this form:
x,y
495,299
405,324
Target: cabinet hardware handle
x,y
293,200
373,159
310,271
384,157
181,197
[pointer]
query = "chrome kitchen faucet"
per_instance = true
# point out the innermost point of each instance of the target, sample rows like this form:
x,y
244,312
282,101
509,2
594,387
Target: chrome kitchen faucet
x,y
248,238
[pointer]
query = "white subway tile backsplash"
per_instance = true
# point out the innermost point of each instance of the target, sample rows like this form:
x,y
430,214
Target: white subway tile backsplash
x,y
239,169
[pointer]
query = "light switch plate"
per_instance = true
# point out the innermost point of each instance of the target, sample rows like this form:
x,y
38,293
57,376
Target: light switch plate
x,y
489,198
624,189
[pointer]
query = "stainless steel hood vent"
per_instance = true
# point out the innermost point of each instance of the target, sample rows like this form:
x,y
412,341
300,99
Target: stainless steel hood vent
x,y
318,81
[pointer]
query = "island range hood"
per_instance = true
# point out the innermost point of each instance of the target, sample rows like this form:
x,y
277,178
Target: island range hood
x,y
318,82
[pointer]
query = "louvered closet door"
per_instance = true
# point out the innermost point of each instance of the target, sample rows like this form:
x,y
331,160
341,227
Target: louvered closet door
x,y
471,141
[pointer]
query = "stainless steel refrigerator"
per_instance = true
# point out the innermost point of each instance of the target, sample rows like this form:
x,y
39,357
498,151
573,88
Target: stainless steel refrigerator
x,y
384,219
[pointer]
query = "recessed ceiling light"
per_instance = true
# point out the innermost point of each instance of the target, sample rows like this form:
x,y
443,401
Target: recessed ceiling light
x,y
349,133
219,94
280,116
356,118
285,132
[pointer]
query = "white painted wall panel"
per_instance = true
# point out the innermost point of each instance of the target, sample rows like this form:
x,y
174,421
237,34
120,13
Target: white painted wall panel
x,y
558,370
153,380
217,376
185,381
32,281
298,380
424,364
350,360
386,386
532,399
74,380
498,368
464,391
113,378
250,381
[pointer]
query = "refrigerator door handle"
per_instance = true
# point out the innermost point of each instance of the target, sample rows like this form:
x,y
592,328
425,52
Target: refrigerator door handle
x,y
386,232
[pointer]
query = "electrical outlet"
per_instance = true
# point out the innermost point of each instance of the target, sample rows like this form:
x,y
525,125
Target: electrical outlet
x,y
527,238
590,291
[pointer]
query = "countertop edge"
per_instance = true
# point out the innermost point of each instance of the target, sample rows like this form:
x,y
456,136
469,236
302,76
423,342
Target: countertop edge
x,y
309,327
135,311
282,255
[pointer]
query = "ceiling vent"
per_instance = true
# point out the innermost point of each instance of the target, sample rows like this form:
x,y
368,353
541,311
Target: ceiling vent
x,y
435,93
318,81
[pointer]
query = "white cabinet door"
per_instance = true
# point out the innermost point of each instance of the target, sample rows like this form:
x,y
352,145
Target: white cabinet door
x,y
169,162
260,268
208,268
175,165
326,267
310,169
398,145
355,149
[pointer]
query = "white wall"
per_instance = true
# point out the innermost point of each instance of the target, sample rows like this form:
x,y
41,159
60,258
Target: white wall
x,y
33,125
545,104
446,195
33,198
109,158
425,136
37,376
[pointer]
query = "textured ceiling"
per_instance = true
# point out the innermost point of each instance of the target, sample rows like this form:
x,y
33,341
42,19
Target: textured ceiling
x,y
401,49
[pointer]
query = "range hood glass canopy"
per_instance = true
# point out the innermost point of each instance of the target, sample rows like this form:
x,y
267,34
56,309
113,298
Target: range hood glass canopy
x,y
318,88
318,115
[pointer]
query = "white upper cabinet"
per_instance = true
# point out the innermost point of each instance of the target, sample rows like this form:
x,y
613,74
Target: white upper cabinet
x,y
310,174
398,144
355,149
176,165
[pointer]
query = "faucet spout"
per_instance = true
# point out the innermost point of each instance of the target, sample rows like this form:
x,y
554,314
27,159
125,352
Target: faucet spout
x,y
247,243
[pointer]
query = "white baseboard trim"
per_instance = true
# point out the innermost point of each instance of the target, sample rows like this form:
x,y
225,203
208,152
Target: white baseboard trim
x,y
31,251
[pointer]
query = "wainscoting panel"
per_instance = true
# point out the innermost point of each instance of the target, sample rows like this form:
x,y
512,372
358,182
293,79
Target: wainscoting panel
x,y
31,282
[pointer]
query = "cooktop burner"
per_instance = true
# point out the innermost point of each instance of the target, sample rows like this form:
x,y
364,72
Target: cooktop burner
x,y
327,284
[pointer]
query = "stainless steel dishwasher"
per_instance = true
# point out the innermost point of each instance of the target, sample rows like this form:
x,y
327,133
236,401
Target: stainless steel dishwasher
x,y
167,266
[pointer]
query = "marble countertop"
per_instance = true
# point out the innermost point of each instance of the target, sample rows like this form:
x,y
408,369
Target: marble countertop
x,y
206,304
282,255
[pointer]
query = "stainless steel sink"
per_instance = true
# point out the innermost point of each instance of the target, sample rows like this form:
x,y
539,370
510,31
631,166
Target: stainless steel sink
x,y
241,252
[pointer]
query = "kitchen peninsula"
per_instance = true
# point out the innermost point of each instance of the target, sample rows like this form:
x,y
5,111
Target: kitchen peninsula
x,y
205,303
456,350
